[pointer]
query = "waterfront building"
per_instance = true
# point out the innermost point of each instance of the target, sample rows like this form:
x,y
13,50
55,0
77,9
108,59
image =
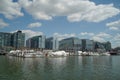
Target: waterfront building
x,y
70,44
99,47
12,40
107,45
104,46
18,39
87,45
28,43
36,42
5,39
52,43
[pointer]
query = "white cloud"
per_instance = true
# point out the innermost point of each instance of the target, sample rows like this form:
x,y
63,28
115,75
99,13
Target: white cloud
x,y
104,35
101,37
74,10
30,33
116,40
36,24
63,36
117,37
3,24
113,28
10,9
86,33
114,25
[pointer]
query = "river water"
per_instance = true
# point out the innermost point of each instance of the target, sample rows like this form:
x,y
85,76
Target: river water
x,y
62,68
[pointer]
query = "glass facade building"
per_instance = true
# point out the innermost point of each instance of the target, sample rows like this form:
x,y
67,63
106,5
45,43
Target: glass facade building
x,y
107,45
52,43
73,43
36,42
15,40
5,39
87,45
18,39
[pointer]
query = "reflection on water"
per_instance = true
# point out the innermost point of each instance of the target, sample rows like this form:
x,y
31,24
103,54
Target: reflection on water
x,y
63,68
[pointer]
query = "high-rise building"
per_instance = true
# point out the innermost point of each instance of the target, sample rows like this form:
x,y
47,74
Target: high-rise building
x,y
107,45
52,43
18,39
5,39
15,40
36,42
99,47
87,45
71,44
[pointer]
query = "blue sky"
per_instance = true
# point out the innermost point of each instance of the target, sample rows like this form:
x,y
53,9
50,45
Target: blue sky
x,y
97,20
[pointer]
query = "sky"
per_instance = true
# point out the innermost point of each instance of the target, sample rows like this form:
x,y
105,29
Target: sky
x,y
97,20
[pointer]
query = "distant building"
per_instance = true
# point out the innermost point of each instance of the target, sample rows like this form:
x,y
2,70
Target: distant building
x,y
87,45
5,39
36,42
70,44
52,43
18,39
99,47
15,40
107,45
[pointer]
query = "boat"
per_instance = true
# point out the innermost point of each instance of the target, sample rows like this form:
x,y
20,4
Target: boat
x,y
32,54
58,54
113,52
105,54
26,53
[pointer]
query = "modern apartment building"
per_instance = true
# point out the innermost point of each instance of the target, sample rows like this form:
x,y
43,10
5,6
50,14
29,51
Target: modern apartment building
x,y
52,43
70,44
15,40
18,39
5,39
107,45
87,45
36,42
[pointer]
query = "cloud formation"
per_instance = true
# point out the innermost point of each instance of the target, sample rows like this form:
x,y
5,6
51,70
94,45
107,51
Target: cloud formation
x,y
86,33
3,24
36,24
74,10
10,9
100,37
63,36
114,25
30,33
116,40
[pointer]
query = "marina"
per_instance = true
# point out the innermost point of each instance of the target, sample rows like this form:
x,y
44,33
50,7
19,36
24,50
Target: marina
x,y
50,53
59,39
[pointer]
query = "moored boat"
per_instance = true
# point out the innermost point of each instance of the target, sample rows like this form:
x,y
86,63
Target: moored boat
x,y
26,53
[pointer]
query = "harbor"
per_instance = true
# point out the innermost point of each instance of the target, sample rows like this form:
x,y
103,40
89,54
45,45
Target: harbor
x,y
49,53
59,39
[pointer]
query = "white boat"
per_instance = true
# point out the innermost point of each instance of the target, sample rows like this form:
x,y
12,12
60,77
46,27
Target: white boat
x,y
80,53
58,54
32,54
26,53
105,54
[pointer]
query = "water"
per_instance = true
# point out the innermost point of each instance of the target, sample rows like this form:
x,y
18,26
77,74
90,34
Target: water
x,y
64,68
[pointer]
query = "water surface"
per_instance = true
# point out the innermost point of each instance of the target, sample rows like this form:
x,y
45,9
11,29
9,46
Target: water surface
x,y
63,68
